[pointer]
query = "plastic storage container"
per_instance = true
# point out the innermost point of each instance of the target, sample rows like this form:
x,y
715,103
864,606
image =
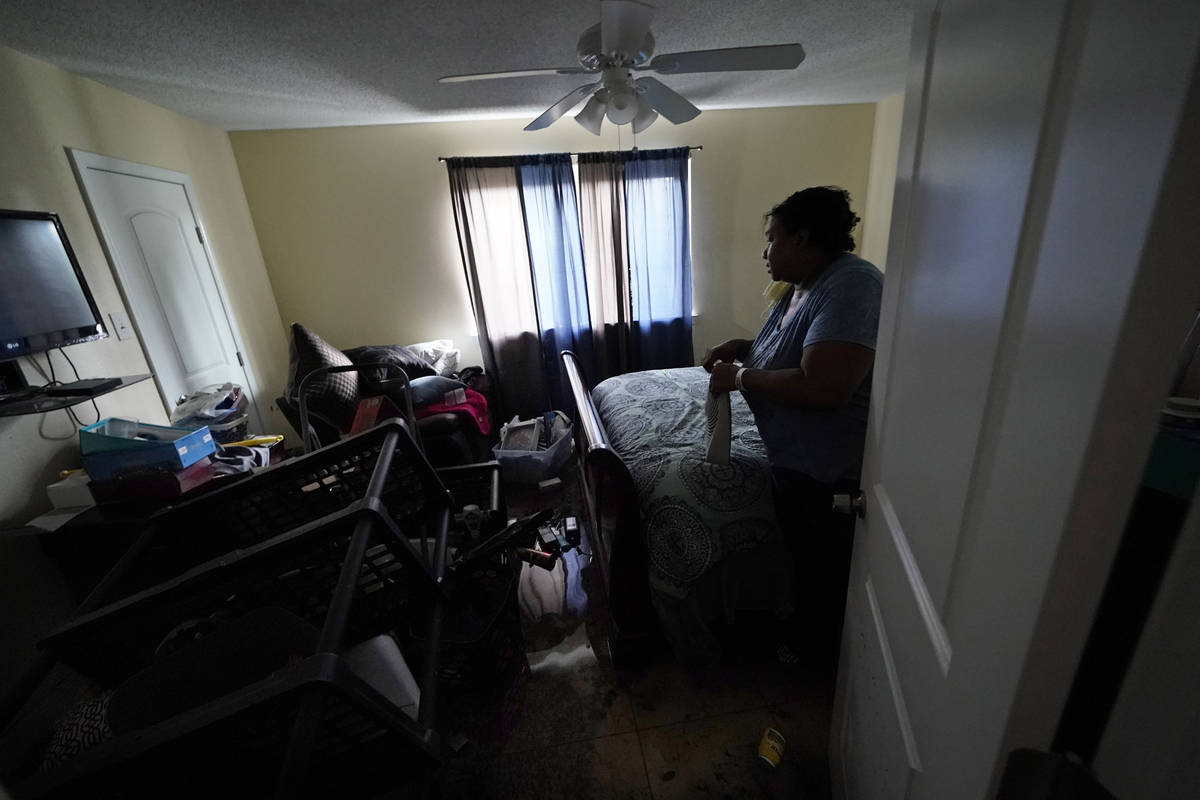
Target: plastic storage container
x,y
532,451
114,447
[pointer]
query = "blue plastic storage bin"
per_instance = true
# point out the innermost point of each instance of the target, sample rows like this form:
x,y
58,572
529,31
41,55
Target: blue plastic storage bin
x,y
114,447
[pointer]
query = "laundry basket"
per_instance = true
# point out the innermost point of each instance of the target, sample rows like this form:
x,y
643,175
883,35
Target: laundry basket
x,y
533,450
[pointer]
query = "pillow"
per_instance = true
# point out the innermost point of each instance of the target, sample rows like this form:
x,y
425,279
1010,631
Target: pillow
x,y
440,353
373,380
334,397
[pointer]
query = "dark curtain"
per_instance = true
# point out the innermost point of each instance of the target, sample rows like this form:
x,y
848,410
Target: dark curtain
x,y
602,223
556,259
606,274
635,206
660,261
488,216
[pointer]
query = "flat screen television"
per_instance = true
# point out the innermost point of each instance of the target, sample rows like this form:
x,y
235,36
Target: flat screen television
x,y
44,300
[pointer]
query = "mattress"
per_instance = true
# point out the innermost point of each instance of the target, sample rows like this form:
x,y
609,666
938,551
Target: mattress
x,y
695,514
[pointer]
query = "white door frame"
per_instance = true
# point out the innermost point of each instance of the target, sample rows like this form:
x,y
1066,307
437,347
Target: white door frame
x,y
1090,333
81,160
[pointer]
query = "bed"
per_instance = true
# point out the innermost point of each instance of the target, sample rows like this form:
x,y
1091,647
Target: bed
x,y
681,543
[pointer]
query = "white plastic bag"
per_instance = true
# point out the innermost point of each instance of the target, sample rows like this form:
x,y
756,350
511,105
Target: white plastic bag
x,y
211,402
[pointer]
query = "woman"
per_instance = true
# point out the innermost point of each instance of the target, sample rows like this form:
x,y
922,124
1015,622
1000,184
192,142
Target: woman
x,y
807,378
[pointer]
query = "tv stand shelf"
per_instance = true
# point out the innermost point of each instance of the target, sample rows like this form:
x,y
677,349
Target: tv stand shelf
x,y
33,401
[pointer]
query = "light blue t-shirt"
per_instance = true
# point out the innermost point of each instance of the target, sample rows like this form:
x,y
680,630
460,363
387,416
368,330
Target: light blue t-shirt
x,y
842,306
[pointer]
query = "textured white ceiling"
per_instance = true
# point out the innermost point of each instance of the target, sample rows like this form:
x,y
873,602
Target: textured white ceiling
x,y
252,64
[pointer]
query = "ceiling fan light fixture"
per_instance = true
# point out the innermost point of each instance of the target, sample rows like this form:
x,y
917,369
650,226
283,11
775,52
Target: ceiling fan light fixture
x,y
645,115
622,46
592,115
622,106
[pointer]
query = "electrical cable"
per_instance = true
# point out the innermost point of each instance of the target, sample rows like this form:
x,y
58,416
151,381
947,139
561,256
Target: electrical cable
x,y
42,432
71,411
36,367
53,380
42,424
63,353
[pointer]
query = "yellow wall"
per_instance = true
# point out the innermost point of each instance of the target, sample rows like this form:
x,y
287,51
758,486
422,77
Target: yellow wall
x,y
885,154
358,236
45,110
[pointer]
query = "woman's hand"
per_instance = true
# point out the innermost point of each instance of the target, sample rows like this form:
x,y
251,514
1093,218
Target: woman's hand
x,y
723,378
727,352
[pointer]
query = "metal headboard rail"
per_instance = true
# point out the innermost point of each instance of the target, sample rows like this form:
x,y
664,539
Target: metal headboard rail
x,y
594,434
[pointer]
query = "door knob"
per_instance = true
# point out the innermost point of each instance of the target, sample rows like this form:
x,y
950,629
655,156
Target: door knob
x,y
851,504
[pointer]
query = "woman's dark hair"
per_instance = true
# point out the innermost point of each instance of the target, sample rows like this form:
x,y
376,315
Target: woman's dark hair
x,y
823,211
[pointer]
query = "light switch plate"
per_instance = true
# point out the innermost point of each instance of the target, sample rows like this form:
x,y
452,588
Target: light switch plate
x,y
120,323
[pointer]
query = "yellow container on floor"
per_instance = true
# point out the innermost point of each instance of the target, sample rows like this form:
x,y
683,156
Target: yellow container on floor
x,y
770,747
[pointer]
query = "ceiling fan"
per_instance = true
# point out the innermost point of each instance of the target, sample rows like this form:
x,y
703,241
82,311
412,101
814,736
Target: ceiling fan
x,y
620,47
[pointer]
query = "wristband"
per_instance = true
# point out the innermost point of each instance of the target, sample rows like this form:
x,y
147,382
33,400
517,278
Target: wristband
x,y
737,379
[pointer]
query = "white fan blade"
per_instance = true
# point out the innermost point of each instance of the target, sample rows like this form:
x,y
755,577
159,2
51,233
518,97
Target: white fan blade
x,y
561,107
623,25
645,115
592,115
666,101
517,73
771,56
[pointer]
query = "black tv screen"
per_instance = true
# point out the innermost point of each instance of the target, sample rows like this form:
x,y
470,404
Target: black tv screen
x,y
44,300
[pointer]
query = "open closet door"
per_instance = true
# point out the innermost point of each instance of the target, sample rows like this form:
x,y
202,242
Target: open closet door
x,y
1034,299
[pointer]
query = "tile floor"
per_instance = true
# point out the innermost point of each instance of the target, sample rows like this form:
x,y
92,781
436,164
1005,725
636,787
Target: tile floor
x,y
586,732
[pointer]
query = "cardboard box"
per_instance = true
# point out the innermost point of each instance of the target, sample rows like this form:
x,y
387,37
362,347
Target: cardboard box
x,y
71,492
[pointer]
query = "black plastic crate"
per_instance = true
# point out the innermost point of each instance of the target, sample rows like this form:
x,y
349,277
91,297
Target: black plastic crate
x,y
353,539
278,500
297,571
239,745
482,663
288,552
479,485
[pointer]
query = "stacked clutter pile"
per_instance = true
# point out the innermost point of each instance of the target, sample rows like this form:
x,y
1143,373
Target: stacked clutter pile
x,y
130,459
222,410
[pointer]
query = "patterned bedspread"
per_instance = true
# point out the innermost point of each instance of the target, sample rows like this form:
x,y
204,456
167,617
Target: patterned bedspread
x,y
693,512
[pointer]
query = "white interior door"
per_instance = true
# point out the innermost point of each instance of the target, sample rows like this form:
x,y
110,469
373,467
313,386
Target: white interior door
x,y
1004,294
149,225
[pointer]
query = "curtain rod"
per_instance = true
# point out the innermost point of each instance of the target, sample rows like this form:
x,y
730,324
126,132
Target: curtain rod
x,y
689,147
